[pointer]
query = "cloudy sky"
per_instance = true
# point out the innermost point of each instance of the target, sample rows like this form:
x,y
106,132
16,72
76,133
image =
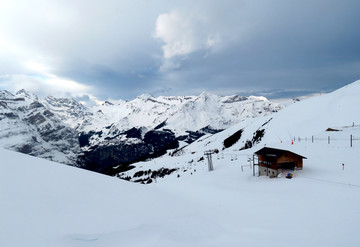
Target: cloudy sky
x,y
123,48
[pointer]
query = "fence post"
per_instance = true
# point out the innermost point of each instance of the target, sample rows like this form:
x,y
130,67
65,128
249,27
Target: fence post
x,y
312,139
328,139
351,140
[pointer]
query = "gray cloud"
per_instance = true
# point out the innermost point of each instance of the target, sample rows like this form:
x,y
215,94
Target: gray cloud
x,y
120,49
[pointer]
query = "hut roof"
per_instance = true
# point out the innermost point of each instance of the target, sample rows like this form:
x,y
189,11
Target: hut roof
x,y
274,152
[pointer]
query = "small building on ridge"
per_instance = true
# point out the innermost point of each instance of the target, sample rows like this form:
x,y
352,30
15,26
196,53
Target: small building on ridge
x,y
274,161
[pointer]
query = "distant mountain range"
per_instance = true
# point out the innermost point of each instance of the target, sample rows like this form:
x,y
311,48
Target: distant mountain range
x,y
108,138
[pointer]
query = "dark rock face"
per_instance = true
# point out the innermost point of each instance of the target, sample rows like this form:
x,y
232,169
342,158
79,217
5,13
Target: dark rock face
x,y
146,177
36,119
10,115
103,159
133,133
48,113
26,149
35,105
161,141
235,98
112,159
194,135
84,138
163,124
231,140
162,172
3,105
258,135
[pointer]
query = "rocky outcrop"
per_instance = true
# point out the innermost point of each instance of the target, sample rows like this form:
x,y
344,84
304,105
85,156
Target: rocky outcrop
x,y
192,136
112,159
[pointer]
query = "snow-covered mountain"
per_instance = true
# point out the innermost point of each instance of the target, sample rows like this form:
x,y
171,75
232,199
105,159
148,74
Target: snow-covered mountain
x,y
28,125
124,132
117,133
180,114
307,121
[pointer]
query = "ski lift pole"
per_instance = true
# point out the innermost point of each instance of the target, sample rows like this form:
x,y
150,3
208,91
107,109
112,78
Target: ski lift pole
x,y
209,158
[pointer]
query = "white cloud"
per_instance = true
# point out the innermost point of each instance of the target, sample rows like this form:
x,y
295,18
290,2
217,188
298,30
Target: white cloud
x,y
31,65
184,33
44,84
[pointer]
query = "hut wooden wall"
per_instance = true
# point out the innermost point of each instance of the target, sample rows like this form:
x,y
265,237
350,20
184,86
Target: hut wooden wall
x,y
290,157
286,157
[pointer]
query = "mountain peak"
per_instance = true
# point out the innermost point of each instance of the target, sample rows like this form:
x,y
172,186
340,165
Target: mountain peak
x,y
26,94
234,98
205,95
144,96
260,98
4,94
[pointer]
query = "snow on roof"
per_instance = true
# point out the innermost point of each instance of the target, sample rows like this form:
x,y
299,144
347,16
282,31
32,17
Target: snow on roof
x,y
274,151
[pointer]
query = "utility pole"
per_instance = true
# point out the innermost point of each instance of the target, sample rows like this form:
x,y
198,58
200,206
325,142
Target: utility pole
x,y
208,155
252,160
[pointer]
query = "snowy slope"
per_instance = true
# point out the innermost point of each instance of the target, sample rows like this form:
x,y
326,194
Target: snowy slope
x,y
48,204
315,115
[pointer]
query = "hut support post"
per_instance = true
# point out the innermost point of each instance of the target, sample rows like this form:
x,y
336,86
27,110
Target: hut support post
x,y
254,165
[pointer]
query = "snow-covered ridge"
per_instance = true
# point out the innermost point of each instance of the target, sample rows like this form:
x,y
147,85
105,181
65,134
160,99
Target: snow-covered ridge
x,y
50,127
181,113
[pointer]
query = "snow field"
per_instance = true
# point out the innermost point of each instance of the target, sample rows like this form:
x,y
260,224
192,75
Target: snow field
x,y
48,204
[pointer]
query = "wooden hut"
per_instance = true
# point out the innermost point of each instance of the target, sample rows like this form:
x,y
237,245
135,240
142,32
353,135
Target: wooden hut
x,y
274,161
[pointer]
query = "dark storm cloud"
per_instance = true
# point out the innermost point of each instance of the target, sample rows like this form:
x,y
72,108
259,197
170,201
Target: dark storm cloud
x,y
309,45
120,49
